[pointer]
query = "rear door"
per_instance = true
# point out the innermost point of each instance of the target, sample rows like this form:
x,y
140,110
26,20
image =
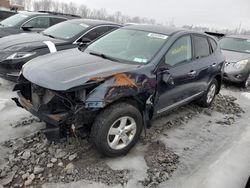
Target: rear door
x,y
204,61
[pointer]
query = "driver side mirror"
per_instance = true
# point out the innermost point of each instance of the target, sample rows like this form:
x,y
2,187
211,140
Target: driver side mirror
x,y
83,41
166,77
27,27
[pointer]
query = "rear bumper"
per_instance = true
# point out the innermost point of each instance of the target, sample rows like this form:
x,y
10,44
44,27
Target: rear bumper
x,y
54,119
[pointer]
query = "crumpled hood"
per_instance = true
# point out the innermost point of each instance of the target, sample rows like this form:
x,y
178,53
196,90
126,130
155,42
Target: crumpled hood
x,y
70,68
25,42
234,57
8,31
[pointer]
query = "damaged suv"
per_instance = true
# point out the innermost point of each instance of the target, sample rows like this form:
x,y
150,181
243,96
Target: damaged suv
x,y
117,84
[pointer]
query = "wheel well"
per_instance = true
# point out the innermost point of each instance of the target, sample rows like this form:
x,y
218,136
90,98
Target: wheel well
x,y
136,102
219,81
133,101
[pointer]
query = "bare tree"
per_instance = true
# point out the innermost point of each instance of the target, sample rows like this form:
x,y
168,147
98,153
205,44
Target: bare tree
x,y
84,11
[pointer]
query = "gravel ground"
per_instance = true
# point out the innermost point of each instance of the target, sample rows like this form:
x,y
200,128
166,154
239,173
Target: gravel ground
x,y
28,159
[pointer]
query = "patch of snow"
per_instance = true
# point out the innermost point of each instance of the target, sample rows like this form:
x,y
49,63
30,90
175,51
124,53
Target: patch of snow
x,y
246,94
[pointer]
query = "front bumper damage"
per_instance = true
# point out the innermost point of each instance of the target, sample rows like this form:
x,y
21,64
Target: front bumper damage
x,y
53,119
62,120
77,108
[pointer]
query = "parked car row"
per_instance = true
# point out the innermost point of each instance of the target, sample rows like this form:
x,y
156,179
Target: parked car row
x,y
16,50
5,13
112,80
26,21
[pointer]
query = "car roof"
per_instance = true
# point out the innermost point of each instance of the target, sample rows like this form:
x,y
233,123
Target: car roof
x,y
91,22
239,36
155,28
47,13
30,13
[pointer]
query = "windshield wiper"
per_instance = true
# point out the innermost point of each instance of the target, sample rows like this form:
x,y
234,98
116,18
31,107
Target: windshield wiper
x,y
51,36
104,56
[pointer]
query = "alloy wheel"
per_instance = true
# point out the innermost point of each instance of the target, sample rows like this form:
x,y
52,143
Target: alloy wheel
x,y
121,133
211,93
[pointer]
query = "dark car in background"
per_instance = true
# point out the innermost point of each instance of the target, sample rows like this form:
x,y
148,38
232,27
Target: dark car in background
x,y
16,50
236,49
5,13
26,21
118,83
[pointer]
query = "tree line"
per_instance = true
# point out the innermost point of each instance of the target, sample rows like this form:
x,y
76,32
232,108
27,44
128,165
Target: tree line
x,y
118,17
80,10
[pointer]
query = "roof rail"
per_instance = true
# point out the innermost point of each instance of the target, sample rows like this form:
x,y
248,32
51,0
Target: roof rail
x,y
216,34
58,13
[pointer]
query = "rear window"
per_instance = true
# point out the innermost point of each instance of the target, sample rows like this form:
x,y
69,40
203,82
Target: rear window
x,y
235,44
54,21
201,47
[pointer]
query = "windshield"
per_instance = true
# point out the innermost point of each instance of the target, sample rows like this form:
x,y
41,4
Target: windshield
x,y
235,44
13,20
129,45
66,30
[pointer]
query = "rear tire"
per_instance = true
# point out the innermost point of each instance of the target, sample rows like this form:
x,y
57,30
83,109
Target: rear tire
x,y
116,129
208,97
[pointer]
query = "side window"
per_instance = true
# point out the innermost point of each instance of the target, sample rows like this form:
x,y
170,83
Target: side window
x,y
111,28
180,52
39,22
97,32
54,21
201,47
213,44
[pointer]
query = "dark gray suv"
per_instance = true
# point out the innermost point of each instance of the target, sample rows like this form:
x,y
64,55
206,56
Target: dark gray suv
x,y
118,83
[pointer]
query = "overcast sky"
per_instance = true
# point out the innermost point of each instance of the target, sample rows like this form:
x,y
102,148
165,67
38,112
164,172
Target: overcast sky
x,y
212,13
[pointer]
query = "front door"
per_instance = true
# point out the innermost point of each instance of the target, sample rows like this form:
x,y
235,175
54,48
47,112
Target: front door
x,y
176,76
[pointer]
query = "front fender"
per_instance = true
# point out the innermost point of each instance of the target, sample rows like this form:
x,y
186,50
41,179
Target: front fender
x,y
121,85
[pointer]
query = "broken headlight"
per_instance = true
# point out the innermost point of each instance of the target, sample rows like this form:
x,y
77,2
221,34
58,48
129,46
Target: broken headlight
x,y
20,55
241,64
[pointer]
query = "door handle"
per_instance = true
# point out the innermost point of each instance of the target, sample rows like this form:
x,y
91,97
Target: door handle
x,y
214,64
192,73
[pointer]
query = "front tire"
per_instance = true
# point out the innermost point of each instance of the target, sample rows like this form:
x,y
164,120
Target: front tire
x,y
208,97
246,84
116,129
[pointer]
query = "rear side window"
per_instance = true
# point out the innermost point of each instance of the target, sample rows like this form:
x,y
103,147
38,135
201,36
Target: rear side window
x,y
179,52
213,44
201,47
39,22
54,21
111,28
97,32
